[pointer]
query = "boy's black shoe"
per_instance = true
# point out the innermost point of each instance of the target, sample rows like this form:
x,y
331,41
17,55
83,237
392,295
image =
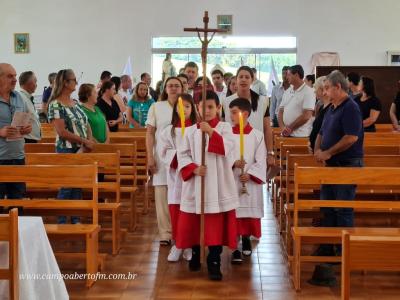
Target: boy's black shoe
x,y
236,258
194,263
214,271
246,246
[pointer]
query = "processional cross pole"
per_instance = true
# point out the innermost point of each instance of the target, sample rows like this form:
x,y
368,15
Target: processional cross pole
x,y
204,46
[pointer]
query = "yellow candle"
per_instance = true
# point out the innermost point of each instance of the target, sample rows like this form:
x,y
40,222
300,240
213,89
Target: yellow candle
x,y
241,130
181,114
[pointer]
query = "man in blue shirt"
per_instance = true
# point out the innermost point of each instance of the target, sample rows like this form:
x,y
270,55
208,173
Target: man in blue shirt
x,y
11,152
340,144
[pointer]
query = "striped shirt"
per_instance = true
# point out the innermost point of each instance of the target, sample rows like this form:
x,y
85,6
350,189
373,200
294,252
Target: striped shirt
x,y
75,121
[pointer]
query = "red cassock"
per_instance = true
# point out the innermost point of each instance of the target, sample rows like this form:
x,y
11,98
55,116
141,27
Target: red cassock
x,y
251,208
219,228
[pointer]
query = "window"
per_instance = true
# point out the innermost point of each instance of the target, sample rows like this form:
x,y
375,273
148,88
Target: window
x,y
227,51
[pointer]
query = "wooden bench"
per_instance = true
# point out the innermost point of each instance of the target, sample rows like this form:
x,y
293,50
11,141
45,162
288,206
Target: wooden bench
x,y
278,185
129,175
83,176
308,160
108,164
384,127
128,157
141,159
375,251
9,233
306,176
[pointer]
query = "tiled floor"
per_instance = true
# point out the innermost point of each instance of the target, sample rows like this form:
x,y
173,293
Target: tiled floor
x,y
263,276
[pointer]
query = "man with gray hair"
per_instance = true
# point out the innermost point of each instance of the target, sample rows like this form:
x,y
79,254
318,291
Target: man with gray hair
x,y
258,86
28,84
11,152
339,144
126,88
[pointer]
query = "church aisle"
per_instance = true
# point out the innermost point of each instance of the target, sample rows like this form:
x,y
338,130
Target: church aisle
x,y
263,276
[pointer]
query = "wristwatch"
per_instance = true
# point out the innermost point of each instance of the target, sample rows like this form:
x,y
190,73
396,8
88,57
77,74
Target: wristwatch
x,y
271,153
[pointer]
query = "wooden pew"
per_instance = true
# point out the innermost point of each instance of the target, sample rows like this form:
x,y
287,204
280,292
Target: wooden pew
x,y
278,184
308,160
108,164
379,251
83,176
129,174
384,127
142,168
40,148
306,176
9,233
128,158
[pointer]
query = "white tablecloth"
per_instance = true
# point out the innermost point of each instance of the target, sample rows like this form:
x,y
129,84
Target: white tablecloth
x,y
35,258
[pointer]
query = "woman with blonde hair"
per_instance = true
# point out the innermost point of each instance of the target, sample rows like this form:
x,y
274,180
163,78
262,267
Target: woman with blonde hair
x,y
138,106
72,128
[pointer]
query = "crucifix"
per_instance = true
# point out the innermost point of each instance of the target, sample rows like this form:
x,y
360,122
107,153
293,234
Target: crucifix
x,y
204,46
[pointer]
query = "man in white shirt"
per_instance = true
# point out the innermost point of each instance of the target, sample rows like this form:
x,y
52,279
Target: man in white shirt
x,y
297,106
28,84
258,86
218,81
126,88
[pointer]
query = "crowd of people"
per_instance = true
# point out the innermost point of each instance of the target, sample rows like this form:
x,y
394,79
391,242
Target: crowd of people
x,y
333,111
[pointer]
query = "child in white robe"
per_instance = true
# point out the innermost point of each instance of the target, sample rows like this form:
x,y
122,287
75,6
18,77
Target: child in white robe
x,y
251,208
170,141
221,197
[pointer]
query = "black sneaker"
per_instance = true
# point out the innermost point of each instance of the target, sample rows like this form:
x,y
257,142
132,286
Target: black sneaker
x,y
246,246
236,258
214,271
194,263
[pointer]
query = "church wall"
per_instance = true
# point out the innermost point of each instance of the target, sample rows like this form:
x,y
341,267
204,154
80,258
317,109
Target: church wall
x,y
92,35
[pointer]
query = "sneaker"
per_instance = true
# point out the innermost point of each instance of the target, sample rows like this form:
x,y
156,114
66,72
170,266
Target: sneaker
x,y
214,271
62,220
187,254
236,258
75,220
165,242
174,254
323,275
246,246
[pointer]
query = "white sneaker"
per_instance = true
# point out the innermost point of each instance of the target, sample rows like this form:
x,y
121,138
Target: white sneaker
x,y
174,254
187,254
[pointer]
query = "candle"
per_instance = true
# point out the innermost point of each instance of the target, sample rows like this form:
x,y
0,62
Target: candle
x,y
241,130
181,114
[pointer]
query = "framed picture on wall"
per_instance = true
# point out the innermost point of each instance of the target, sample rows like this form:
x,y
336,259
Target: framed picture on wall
x,y
21,43
225,22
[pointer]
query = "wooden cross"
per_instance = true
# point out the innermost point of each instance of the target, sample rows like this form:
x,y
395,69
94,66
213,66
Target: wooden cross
x,y
204,46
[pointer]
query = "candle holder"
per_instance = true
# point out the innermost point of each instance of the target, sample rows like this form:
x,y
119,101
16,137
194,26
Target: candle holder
x,y
243,190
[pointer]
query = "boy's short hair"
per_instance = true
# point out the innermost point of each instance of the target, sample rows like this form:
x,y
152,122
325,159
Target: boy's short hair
x,y
228,74
191,64
241,103
183,76
210,95
217,72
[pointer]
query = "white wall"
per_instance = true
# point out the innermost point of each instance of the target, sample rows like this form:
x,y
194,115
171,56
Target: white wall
x,y
92,35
